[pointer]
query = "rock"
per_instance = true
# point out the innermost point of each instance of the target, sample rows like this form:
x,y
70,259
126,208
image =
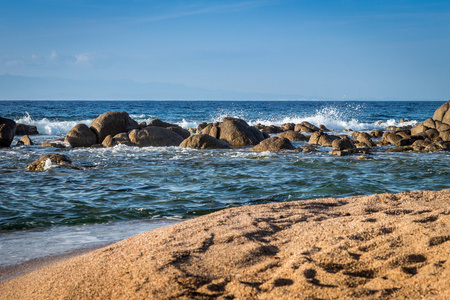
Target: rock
x,y
7,131
445,135
142,125
174,127
201,126
274,144
432,133
154,136
22,129
392,138
341,152
81,136
323,128
25,140
271,129
418,129
442,114
430,123
58,143
376,133
322,139
287,126
204,141
293,136
112,123
342,144
306,127
46,160
442,126
235,120
235,132
118,139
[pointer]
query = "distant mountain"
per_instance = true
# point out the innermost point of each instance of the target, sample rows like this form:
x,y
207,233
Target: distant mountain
x,y
52,88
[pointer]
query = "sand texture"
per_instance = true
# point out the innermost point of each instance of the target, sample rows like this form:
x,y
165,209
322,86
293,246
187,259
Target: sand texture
x,y
390,246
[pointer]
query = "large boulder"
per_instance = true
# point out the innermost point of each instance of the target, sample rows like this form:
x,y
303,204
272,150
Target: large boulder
x,y
235,131
293,136
154,136
112,123
47,160
306,127
23,129
81,136
442,114
174,127
274,144
204,141
7,131
342,144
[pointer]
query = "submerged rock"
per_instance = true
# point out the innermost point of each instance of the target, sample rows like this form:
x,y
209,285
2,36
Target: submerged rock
x,y
46,161
57,143
204,141
7,131
274,144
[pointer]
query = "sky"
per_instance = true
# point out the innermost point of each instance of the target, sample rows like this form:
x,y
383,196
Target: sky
x,y
316,49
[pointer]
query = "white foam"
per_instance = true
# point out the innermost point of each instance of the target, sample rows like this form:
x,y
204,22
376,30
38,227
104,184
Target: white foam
x,y
51,127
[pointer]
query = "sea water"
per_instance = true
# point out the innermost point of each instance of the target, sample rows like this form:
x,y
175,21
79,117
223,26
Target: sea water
x,y
138,189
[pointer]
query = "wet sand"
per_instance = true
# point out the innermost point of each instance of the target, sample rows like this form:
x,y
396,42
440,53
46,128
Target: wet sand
x,y
381,246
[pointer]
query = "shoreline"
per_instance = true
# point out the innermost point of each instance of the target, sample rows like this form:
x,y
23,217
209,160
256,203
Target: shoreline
x,y
383,245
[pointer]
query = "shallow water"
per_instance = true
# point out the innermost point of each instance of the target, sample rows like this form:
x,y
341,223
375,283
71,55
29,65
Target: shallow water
x,y
129,184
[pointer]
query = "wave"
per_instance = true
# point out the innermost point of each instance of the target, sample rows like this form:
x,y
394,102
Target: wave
x,y
51,127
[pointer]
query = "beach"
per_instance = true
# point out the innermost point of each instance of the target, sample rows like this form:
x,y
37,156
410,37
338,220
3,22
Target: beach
x,y
387,245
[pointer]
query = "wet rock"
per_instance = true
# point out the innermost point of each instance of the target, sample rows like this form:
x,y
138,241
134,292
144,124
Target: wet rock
x,y
154,136
392,138
342,144
25,140
46,160
235,132
274,144
442,114
341,152
112,123
23,129
118,139
81,136
57,143
293,136
7,131
322,139
204,141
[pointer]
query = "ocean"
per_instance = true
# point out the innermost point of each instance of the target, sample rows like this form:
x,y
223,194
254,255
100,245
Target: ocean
x,y
123,190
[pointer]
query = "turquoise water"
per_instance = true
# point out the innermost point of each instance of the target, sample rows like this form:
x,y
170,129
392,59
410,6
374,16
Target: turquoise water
x,y
129,184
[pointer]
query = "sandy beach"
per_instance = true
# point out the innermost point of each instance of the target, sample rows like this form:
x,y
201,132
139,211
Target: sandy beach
x,y
393,246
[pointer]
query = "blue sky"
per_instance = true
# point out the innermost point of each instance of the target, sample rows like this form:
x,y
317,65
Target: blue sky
x,y
379,50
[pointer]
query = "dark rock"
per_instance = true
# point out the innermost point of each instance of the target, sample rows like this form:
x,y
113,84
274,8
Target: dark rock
x,y
204,141
293,136
323,128
432,133
81,136
112,123
342,144
59,159
22,129
142,125
201,126
376,133
392,138
174,127
274,144
7,131
154,136
235,120
271,129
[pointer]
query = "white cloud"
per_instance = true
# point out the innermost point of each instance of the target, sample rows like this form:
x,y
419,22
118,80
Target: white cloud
x,y
83,59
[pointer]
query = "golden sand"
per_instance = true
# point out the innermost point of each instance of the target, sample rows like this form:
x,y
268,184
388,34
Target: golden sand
x,y
391,246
